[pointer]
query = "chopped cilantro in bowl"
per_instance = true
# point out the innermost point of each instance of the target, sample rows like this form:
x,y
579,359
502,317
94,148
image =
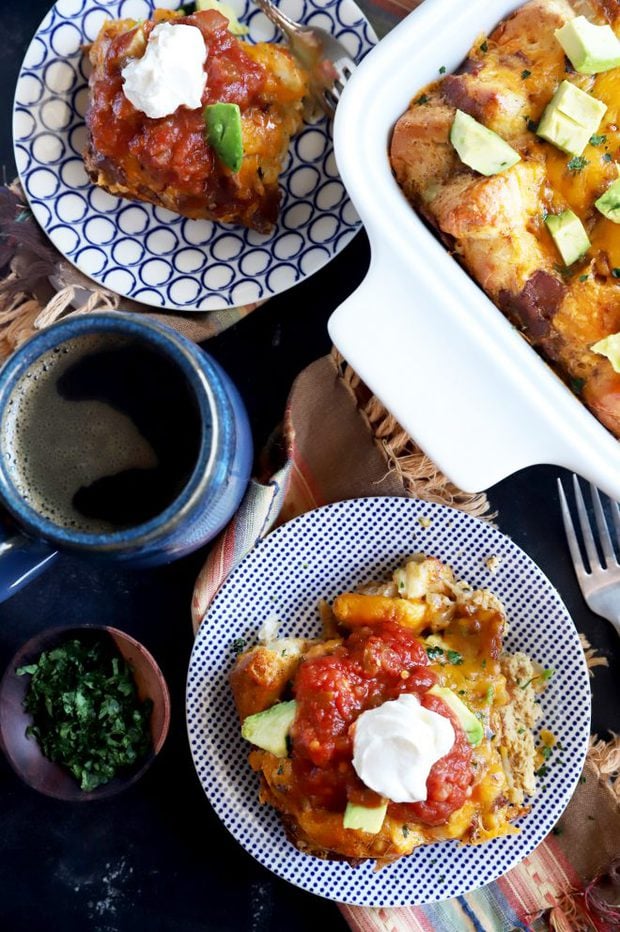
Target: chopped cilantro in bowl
x,y
86,711
83,712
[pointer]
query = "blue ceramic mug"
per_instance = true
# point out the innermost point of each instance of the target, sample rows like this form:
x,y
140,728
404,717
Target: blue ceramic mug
x,y
120,440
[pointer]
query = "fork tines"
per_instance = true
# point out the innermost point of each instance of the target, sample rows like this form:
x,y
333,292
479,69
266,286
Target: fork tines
x,y
590,544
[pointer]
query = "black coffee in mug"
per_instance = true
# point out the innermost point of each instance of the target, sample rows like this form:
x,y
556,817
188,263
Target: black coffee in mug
x,y
101,433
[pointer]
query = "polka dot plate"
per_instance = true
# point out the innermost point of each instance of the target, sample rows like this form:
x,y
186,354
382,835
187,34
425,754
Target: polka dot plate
x,y
328,551
147,253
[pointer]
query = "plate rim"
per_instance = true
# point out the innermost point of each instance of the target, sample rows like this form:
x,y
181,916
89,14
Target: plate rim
x,y
353,228
580,672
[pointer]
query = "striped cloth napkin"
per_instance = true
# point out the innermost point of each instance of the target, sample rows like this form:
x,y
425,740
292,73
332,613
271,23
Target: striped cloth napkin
x,y
342,444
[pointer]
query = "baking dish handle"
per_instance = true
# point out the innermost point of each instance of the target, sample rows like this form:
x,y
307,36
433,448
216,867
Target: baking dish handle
x,y
479,403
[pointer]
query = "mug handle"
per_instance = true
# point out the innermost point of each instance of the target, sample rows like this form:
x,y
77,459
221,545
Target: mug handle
x,y
22,559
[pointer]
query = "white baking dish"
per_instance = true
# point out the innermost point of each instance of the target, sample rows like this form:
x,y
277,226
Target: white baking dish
x,y
419,332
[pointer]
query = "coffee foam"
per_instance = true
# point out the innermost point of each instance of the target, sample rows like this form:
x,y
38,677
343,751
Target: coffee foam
x,y
54,446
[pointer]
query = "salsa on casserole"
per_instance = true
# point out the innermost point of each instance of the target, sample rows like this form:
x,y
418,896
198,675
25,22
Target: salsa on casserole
x,y
405,724
217,156
513,159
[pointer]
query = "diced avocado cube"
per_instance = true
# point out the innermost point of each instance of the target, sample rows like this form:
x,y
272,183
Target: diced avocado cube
x,y
269,729
479,147
234,26
610,347
589,47
471,725
609,202
570,118
223,122
568,235
364,818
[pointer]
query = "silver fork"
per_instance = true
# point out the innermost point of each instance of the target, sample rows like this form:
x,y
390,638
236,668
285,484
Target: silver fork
x,y
324,57
600,584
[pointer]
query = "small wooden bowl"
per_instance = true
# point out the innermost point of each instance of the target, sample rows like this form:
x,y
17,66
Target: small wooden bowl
x,y
24,754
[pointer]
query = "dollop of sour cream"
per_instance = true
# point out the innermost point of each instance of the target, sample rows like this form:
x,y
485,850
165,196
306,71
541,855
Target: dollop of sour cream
x,y
171,72
395,746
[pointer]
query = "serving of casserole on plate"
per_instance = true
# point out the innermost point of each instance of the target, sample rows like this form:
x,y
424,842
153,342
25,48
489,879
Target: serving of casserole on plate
x,y
329,553
404,724
530,224
274,219
146,143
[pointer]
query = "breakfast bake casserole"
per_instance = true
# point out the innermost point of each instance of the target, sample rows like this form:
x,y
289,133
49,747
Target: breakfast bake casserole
x,y
513,159
406,723
186,116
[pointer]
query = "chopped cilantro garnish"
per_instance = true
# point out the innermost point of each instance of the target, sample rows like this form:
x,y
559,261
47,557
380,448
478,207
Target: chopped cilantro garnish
x,y
546,751
434,653
525,73
454,657
280,770
542,771
238,644
422,99
520,731
531,125
583,278
442,70
577,163
606,157
441,878
557,830
484,47
86,714
405,830
615,273
432,863
544,676
582,779
577,385
597,140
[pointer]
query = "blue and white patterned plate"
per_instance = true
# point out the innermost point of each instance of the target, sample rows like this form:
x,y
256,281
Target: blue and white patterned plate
x,y
325,552
147,253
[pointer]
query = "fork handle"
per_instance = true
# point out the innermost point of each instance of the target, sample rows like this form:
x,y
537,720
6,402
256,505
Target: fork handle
x,y
277,17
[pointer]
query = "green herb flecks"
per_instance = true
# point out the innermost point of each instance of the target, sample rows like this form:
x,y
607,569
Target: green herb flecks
x,y
454,657
597,140
422,99
606,157
615,273
434,653
238,644
405,830
442,70
543,677
86,712
577,385
525,74
484,47
577,163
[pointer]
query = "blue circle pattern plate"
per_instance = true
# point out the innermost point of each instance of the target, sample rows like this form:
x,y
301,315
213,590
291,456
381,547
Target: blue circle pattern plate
x,y
333,549
147,253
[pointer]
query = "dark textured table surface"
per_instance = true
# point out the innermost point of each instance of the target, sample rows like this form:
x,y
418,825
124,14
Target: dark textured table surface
x,y
157,858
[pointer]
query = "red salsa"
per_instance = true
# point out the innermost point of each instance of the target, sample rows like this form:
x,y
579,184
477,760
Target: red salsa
x,y
171,151
371,667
